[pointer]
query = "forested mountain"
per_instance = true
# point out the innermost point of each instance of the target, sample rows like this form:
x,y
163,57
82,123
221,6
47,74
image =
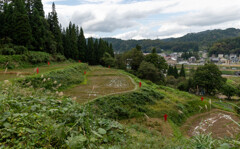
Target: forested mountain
x,y
207,37
23,27
227,46
192,41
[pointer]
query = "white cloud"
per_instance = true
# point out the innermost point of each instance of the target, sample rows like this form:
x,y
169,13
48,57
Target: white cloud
x,y
149,18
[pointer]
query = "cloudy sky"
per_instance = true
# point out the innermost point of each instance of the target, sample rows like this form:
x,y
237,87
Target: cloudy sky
x,y
146,19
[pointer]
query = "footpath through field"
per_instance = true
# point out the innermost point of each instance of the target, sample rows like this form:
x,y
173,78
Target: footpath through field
x,y
100,82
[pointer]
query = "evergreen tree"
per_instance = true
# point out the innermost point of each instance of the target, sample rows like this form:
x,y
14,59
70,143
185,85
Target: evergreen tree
x,y
182,72
111,51
170,71
38,28
22,29
55,29
71,42
90,52
176,75
8,23
82,47
101,49
39,6
97,60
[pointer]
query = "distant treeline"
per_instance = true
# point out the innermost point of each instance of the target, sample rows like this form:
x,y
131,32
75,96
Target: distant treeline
x,y
23,24
228,46
190,42
147,45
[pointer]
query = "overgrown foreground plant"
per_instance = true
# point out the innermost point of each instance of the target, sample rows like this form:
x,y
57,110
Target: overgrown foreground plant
x,y
37,119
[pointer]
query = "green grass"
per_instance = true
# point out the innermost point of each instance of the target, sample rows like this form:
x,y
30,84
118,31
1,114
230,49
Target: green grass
x,y
59,79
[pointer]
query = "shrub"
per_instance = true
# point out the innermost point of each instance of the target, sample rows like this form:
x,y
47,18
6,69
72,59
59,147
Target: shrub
x,y
7,51
38,57
150,72
20,49
59,58
228,90
47,122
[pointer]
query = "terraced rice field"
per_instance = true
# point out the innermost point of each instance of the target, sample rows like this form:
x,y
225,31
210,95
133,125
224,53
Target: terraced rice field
x,y
16,73
100,82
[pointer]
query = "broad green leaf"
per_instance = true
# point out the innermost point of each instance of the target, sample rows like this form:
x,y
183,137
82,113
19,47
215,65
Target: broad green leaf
x,y
102,131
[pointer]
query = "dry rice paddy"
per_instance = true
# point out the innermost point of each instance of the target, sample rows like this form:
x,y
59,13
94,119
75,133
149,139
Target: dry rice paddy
x,y
101,82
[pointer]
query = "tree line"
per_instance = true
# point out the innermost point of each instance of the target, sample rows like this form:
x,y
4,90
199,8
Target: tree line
x,y
23,23
227,46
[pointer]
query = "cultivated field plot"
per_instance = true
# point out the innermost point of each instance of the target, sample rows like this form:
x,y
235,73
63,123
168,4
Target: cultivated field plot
x,y
16,73
100,82
220,123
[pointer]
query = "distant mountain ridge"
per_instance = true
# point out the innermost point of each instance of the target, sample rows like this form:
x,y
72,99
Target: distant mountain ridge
x,y
191,41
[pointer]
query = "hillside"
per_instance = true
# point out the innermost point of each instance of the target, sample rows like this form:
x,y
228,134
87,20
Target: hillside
x,y
227,46
189,41
35,113
207,37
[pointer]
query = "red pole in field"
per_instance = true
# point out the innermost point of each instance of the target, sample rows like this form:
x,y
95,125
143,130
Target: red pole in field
x,y
165,117
140,84
48,63
37,71
85,72
202,98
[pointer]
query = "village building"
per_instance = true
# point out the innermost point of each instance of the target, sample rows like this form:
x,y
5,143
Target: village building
x,y
192,59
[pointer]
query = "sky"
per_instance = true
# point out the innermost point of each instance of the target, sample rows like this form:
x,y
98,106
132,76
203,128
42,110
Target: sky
x,y
146,19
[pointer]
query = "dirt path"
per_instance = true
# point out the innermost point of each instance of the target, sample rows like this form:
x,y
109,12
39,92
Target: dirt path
x,y
220,123
101,82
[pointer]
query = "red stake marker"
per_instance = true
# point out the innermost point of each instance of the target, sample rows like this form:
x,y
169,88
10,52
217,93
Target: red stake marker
x,y
48,63
202,98
140,84
165,117
85,72
37,71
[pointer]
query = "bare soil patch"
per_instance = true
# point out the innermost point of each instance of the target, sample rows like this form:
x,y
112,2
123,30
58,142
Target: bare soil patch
x,y
220,123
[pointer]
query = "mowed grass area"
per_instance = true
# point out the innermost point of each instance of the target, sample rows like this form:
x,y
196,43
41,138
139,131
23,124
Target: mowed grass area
x,y
16,73
99,82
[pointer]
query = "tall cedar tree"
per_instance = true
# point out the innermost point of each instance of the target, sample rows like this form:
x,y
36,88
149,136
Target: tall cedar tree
x,y
96,51
182,72
170,71
22,29
82,47
37,24
176,75
71,40
19,18
90,52
55,29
